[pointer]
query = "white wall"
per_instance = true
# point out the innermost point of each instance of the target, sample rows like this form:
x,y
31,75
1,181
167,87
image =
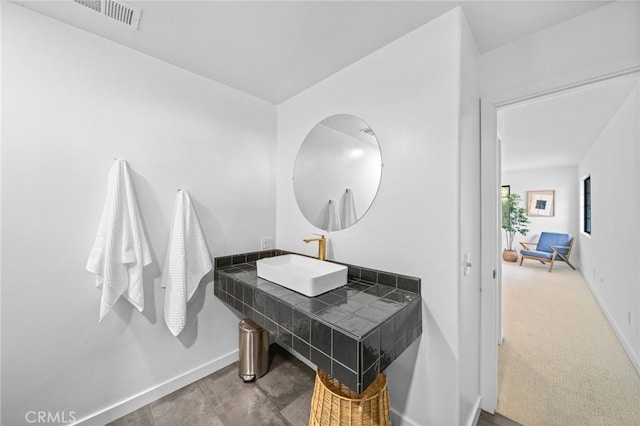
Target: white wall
x,y
610,254
563,181
72,102
595,43
409,93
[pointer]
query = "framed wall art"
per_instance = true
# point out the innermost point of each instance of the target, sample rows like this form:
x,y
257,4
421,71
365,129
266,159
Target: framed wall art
x,y
540,203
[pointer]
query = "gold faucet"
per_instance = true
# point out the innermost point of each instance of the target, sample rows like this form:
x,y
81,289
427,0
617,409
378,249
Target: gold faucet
x,y
322,245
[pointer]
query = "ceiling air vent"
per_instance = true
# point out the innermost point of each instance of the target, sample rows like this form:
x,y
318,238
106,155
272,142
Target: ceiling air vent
x,y
115,9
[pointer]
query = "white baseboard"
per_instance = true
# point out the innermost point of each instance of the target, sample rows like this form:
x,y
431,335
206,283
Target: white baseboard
x,y
398,419
122,408
474,415
627,348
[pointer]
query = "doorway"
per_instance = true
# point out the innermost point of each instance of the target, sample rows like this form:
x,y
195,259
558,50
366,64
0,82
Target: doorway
x,y
491,272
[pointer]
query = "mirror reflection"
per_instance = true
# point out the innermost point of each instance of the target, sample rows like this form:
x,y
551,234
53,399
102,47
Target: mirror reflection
x,y
337,172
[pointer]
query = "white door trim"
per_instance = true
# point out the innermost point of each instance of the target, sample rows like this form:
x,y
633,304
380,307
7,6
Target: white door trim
x,y
490,232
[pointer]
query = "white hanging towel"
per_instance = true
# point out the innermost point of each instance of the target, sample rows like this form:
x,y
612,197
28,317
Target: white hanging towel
x,y
333,220
187,262
120,251
349,209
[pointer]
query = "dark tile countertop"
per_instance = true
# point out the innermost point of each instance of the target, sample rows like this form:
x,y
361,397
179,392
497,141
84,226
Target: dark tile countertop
x,y
353,332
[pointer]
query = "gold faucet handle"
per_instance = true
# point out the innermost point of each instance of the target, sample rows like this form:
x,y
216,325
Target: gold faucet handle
x,y
308,240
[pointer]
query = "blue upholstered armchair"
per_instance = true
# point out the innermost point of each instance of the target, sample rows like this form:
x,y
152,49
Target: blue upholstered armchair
x,y
550,247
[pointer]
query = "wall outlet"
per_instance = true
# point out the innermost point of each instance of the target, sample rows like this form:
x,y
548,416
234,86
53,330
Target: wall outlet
x,y
266,243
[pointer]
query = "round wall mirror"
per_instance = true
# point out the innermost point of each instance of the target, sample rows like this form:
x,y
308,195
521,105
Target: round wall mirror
x,y
337,172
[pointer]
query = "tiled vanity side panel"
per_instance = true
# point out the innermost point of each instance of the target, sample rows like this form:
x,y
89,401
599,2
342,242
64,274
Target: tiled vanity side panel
x,y
385,343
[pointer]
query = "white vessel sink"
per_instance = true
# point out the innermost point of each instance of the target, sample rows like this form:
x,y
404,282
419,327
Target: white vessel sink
x,y
305,275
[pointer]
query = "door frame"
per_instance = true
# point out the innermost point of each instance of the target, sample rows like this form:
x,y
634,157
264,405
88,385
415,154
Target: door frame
x,y
490,230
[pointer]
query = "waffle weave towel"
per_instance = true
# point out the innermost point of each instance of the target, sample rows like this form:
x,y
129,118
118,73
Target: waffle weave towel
x,y
333,218
120,251
187,262
349,209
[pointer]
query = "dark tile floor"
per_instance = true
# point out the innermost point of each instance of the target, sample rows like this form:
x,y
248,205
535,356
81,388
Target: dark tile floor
x,y
282,397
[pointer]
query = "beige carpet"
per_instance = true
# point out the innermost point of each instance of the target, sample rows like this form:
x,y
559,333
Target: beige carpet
x,y
560,362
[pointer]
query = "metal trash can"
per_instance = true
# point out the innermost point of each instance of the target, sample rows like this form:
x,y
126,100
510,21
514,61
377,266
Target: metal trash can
x,y
254,350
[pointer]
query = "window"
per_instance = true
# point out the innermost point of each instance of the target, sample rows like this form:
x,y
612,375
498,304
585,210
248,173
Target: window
x,y
586,205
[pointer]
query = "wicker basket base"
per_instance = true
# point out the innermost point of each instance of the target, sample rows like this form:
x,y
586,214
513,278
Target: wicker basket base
x,y
335,404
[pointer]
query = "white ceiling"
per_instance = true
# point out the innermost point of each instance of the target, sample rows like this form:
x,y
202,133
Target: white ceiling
x,y
557,130
275,49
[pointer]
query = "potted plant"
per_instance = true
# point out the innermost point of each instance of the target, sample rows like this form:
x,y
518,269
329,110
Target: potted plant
x,y
514,220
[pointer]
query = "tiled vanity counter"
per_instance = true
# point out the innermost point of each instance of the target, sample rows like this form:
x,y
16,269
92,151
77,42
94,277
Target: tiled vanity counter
x,y
353,332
